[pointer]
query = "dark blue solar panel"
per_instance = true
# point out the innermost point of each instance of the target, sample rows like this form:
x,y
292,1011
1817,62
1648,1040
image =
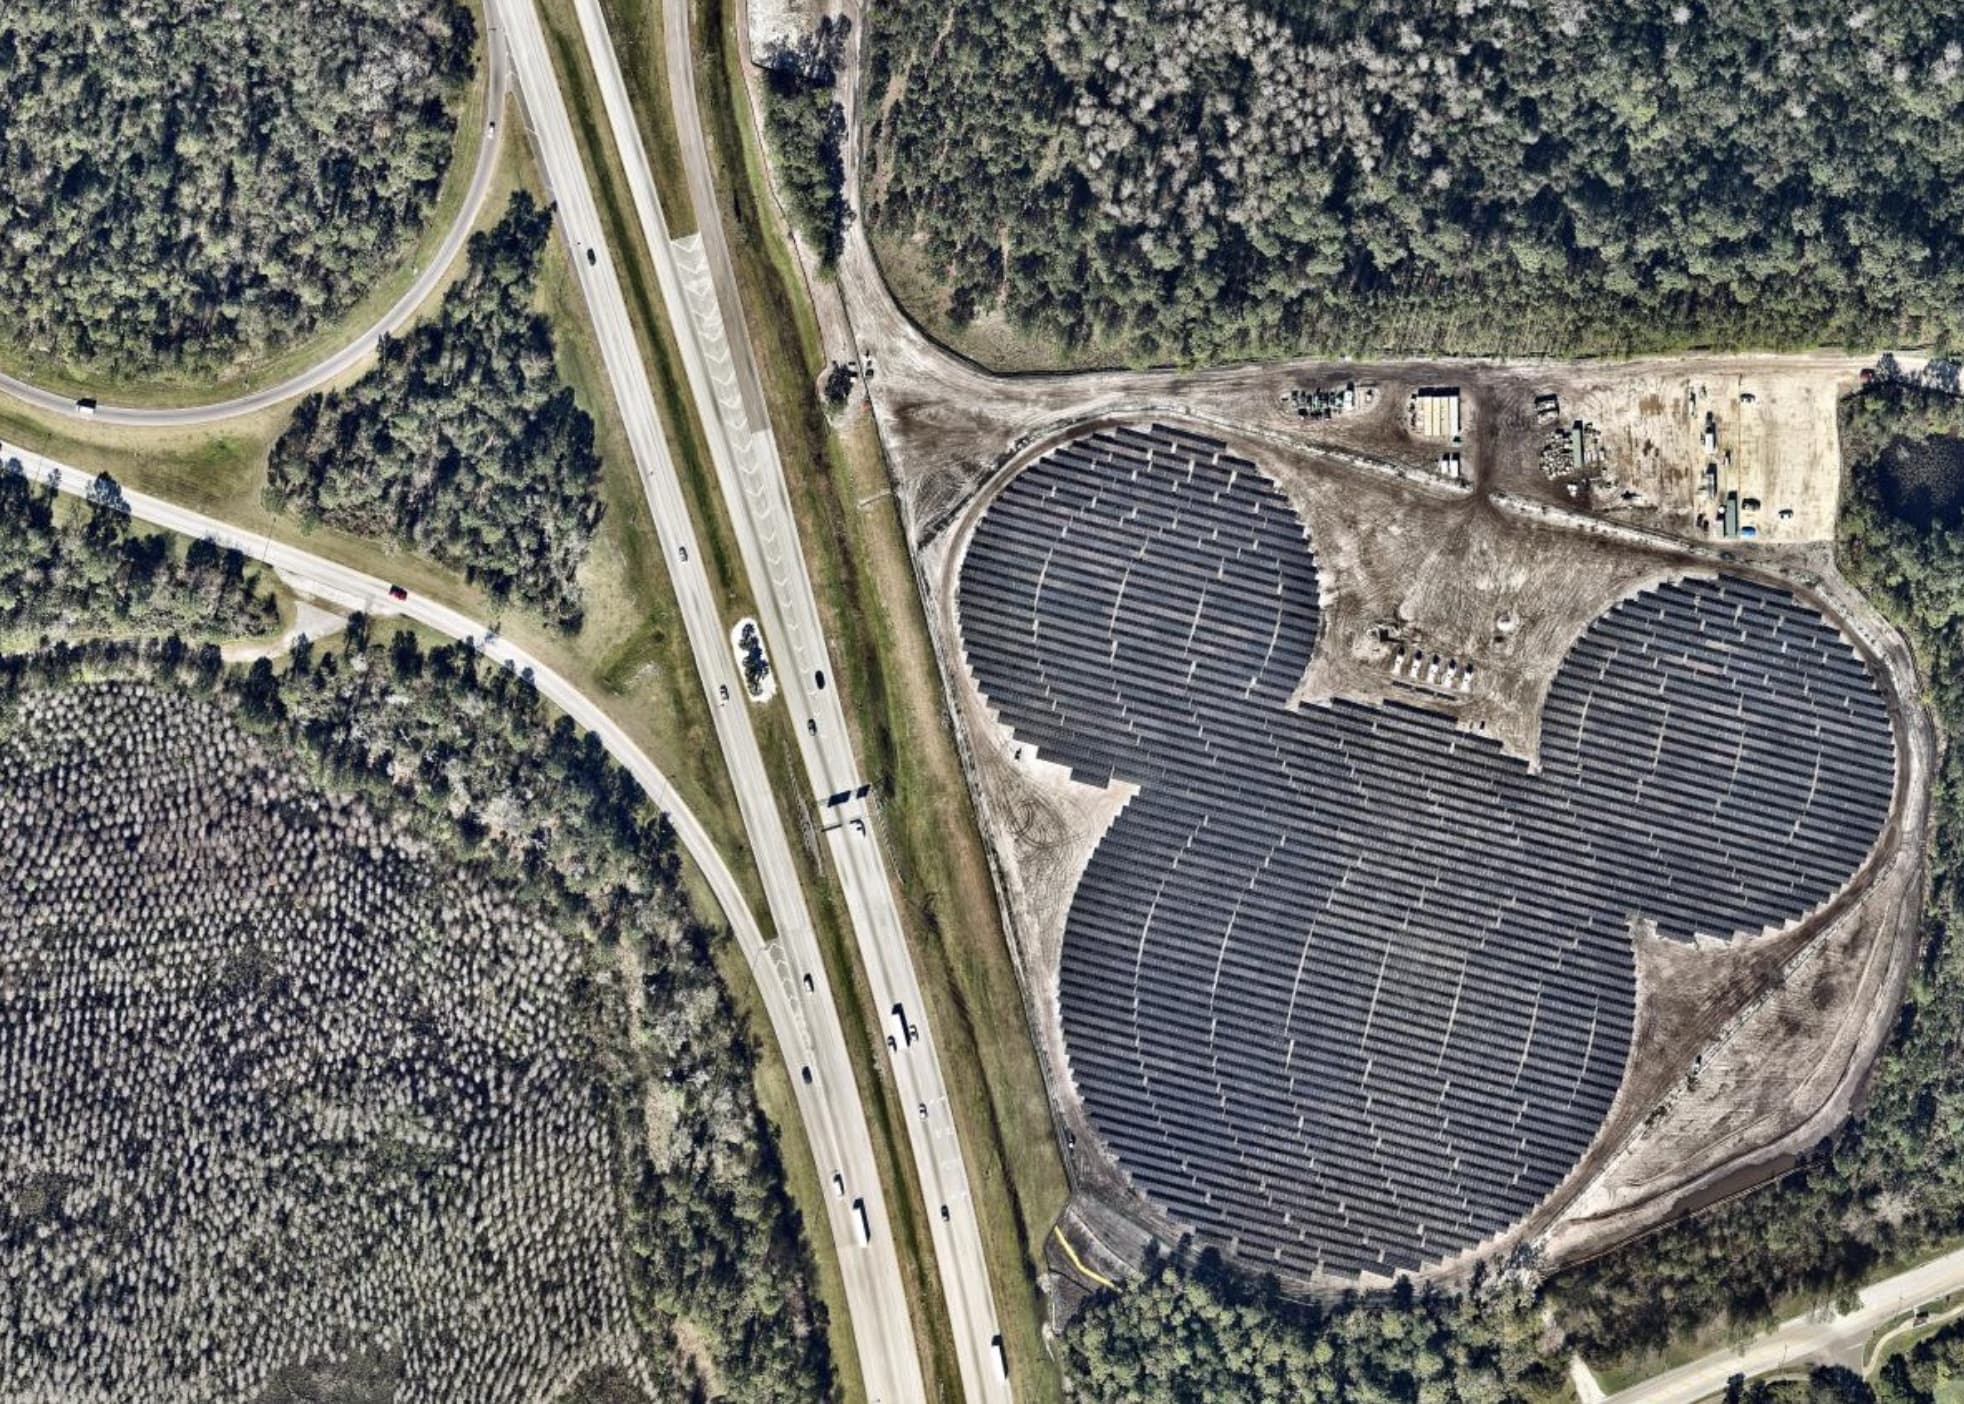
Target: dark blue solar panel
x,y
1346,988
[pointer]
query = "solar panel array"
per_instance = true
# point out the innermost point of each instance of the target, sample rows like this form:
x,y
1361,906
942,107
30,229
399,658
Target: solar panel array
x,y
1346,988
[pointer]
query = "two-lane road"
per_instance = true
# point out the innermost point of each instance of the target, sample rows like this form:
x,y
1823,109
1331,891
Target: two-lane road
x,y
697,290
1805,1341
801,1015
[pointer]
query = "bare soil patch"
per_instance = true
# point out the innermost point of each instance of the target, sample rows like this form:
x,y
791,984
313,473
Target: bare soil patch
x,y
1741,1053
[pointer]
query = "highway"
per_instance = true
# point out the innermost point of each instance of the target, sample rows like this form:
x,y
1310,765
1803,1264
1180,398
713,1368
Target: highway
x,y
351,355
697,285
802,1016
876,1295
1804,1341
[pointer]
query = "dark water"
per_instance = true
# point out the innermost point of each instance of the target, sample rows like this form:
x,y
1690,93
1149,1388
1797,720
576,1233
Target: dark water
x,y
1923,480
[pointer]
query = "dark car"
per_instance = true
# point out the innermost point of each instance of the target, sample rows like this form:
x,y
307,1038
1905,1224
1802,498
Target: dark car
x,y
396,592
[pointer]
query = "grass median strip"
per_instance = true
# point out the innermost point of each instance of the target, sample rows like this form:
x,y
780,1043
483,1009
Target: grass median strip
x,y
864,577
717,536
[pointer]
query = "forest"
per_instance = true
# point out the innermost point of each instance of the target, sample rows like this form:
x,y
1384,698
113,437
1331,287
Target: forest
x,y
806,126
1929,1370
64,564
454,1104
504,1131
1195,180
1202,1332
1890,1183
463,444
189,185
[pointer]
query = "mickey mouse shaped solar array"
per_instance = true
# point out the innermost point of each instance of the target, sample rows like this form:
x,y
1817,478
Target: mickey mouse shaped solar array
x,y
1345,988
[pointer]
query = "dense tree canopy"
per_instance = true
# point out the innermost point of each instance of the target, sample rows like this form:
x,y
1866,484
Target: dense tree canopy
x,y
1179,1336
63,564
555,960
186,184
1890,1183
806,126
1202,178
463,444
1930,1370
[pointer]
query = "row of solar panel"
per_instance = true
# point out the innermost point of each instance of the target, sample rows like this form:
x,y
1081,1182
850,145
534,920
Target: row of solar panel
x,y
1470,970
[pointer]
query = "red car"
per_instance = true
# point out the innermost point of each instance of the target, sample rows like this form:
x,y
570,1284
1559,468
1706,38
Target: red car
x,y
396,592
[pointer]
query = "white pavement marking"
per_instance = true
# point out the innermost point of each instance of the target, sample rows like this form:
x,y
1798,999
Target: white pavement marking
x,y
1805,1340
803,1019
876,1296
751,478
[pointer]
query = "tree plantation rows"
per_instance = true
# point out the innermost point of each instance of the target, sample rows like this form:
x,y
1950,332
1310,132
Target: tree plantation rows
x,y
463,444
320,1058
1198,179
186,185
64,566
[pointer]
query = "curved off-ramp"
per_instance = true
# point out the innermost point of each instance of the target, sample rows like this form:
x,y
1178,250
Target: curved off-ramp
x,y
338,362
804,1021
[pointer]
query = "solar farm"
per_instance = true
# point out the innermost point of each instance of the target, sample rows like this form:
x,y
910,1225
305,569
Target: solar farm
x,y
1344,987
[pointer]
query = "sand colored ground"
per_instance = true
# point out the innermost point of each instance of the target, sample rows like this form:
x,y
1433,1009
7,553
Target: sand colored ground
x,y
1743,1054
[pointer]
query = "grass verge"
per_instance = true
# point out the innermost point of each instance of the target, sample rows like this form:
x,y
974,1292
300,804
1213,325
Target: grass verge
x,y
802,1176
863,572
716,535
641,46
171,390
632,652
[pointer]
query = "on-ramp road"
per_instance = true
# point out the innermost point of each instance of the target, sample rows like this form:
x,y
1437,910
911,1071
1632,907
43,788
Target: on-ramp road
x,y
698,293
801,1016
346,358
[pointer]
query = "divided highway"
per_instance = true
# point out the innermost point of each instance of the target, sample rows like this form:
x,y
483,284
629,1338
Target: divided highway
x,y
875,1291
698,293
801,1012
345,359
790,969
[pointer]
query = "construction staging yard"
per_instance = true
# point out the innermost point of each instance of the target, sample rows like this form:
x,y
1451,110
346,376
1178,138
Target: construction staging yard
x,y
949,426
1452,587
